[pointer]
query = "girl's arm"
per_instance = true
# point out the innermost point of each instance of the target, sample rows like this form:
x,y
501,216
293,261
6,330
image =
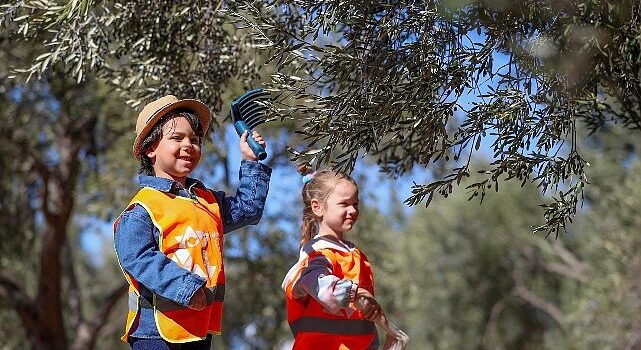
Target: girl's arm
x,y
246,207
317,281
139,256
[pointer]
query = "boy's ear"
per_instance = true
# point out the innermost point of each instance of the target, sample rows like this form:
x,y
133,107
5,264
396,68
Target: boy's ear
x,y
317,207
151,152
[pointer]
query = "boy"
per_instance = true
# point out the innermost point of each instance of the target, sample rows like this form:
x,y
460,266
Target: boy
x,y
169,240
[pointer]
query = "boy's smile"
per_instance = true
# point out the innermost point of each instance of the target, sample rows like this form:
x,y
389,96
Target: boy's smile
x,y
178,152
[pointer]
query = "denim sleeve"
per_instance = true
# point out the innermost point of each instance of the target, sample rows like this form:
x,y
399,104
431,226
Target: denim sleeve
x,y
140,256
246,207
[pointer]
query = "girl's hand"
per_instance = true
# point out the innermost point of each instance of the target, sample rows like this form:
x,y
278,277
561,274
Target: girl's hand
x,y
198,301
246,152
367,305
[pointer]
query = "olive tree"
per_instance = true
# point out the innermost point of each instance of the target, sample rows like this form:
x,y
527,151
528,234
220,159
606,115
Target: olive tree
x,y
427,83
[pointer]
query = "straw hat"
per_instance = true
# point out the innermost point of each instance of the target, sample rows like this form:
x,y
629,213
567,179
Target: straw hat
x,y
155,110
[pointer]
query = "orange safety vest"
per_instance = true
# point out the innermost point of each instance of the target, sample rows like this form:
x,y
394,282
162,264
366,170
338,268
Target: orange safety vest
x,y
313,327
191,234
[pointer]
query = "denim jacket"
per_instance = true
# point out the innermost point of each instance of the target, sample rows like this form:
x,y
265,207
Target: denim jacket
x,y
136,239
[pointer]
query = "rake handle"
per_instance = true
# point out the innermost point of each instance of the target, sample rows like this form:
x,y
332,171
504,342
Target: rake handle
x,y
259,151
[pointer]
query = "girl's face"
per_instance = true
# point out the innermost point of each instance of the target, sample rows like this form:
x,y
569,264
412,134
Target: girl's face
x,y
340,211
178,151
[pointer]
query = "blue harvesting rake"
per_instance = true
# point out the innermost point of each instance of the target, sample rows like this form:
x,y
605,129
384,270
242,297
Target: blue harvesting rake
x,y
248,111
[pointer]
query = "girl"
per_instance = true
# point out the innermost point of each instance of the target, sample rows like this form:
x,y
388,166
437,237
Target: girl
x,y
330,290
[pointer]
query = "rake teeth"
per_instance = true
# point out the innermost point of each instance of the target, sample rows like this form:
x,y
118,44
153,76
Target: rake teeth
x,y
251,107
255,102
253,112
249,110
253,120
258,94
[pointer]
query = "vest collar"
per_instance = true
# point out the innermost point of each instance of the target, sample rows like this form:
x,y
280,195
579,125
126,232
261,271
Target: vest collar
x,y
167,185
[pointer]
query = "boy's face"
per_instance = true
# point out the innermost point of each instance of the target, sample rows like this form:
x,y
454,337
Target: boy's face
x,y
177,152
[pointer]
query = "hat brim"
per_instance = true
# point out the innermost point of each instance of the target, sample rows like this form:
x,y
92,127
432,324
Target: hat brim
x,y
200,110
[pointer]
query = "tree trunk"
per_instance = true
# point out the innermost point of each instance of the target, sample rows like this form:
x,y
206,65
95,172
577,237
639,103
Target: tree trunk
x,y
57,206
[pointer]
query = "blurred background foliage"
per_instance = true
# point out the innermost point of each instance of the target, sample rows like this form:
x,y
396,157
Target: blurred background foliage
x,y
455,275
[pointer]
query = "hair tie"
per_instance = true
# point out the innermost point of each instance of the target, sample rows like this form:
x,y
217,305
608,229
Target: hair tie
x,y
307,178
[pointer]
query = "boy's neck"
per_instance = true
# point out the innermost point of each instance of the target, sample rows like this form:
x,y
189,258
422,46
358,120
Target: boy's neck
x,y
182,180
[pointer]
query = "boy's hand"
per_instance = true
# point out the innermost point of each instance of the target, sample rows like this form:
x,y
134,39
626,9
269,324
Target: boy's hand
x,y
198,301
367,305
246,152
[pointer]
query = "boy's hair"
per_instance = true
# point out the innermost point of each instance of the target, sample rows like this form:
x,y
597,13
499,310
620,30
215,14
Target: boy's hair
x,y
155,134
318,186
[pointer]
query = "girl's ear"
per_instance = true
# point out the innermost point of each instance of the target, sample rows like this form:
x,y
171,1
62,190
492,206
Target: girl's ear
x,y
317,207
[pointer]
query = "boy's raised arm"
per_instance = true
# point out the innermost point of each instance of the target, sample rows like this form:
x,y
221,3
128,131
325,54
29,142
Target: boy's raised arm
x,y
247,205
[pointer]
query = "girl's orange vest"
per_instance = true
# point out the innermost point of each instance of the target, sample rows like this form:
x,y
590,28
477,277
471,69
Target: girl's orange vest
x,y
191,234
313,327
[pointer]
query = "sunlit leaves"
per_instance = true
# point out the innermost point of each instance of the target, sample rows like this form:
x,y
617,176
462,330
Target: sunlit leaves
x,y
428,83
144,48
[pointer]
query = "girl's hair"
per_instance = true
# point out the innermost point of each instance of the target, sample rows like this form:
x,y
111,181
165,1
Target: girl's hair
x,y
155,134
318,186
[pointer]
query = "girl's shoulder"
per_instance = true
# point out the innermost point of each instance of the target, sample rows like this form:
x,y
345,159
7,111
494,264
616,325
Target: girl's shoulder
x,y
349,244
